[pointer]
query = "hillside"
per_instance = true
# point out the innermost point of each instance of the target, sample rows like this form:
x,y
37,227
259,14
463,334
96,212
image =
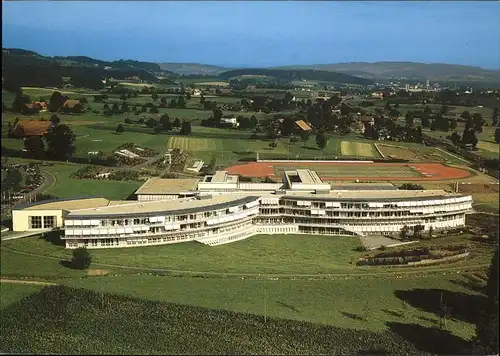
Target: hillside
x,y
193,68
411,70
27,68
299,74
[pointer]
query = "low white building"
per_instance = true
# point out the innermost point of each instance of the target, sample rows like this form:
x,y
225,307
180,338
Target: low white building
x,y
220,209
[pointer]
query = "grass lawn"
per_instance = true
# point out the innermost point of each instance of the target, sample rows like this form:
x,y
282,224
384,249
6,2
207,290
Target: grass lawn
x,y
13,292
66,187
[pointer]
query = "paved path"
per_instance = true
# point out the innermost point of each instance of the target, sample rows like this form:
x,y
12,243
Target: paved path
x,y
20,281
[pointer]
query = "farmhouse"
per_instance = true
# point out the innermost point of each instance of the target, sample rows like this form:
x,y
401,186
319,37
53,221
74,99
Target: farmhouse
x,y
70,103
27,128
303,125
230,120
221,209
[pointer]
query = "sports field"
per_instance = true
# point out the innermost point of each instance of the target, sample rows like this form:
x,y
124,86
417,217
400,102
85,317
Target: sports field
x,y
355,170
350,148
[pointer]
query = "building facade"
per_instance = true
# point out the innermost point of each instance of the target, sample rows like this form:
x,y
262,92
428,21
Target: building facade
x,y
222,210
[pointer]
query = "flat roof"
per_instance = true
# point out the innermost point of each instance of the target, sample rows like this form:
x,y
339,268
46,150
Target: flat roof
x,y
167,186
219,177
375,195
177,206
363,186
65,204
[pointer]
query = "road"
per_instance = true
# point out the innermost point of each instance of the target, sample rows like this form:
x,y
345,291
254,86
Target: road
x,y
48,182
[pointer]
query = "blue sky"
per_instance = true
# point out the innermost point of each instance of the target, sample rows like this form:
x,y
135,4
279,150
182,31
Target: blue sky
x,y
259,33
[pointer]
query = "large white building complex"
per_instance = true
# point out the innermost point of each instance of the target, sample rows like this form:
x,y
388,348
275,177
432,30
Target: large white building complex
x,y
219,209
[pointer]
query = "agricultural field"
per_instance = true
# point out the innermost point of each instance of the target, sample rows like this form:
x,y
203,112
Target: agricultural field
x,y
121,325
14,292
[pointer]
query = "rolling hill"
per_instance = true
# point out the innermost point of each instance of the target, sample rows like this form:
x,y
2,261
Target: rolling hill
x,y
299,74
193,69
410,70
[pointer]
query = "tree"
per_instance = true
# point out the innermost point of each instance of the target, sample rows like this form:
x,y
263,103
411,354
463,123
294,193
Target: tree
x,y
185,128
151,123
56,101
181,103
125,107
486,341
465,115
177,123
154,110
115,109
473,140
405,232
453,124
431,231
164,121
188,96
444,110
253,121
60,142
78,108
12,180
478,122
18,105
321,140
154,96
455,138
409,118
55,120
387,106
35,146
120,129
81,258
497,135
202,99
494,117
417,230
273,144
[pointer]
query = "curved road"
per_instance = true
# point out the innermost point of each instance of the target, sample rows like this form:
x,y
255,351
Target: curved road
x,y
48,182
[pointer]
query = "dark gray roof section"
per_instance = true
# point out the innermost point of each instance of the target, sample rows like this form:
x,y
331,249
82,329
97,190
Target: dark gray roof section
x,y
173,212
368,200
360,186
22,206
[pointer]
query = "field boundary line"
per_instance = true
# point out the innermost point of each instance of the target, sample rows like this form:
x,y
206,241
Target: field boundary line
x,y
451,154
379,150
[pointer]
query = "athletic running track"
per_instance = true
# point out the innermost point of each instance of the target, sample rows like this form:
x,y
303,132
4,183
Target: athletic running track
x,y
428,171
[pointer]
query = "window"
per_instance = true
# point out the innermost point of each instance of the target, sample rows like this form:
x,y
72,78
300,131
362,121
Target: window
x,y
104,223
35,222
49,222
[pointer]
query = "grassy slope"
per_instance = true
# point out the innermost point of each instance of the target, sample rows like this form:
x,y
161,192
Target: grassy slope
x,y
73,321
13,292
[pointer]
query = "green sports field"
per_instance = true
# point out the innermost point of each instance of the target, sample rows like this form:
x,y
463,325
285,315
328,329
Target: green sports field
x,y
351,170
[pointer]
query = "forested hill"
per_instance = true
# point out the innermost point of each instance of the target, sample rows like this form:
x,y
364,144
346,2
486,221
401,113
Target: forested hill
x,y
299,74
27,68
